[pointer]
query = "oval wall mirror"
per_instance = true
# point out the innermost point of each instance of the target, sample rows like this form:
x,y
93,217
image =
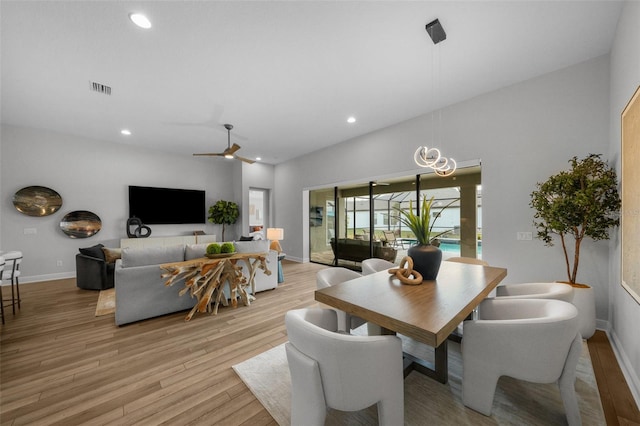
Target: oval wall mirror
x,y
37,201
80,224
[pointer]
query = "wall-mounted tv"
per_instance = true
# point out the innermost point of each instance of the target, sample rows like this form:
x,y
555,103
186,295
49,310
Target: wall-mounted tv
x,y
164,206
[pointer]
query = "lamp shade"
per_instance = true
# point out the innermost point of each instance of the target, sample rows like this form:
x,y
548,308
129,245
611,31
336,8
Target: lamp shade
x,y
275,234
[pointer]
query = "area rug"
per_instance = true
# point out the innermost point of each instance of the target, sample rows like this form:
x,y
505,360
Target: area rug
x,y
106,302
427,401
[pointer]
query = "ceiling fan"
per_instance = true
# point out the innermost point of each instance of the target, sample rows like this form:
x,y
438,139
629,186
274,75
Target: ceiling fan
x,y
230,152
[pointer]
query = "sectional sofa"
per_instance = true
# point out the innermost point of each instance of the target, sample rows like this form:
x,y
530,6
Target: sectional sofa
x,y
140,290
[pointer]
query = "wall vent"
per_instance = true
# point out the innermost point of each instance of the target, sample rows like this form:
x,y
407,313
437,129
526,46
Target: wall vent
x,y
100,88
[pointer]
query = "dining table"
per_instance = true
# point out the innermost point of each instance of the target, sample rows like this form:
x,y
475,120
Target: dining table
x,y
428,312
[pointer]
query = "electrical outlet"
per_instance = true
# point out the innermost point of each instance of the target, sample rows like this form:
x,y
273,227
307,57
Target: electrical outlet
x,y
59,263
524,236
30,231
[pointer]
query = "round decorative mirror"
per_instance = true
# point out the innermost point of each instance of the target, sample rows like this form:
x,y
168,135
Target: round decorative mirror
x,y
80,224
37,201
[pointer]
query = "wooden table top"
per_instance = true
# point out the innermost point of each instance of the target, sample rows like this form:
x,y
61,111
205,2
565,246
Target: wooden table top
x,y
428,312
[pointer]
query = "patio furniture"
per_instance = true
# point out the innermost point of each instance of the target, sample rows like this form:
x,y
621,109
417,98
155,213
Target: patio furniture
x,y
359,250
391,239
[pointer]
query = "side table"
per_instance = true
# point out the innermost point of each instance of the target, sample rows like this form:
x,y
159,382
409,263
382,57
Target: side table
x,y
280,273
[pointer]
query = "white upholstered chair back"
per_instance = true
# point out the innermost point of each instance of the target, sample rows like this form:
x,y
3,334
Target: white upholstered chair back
x,y
373,265
336,275
535,340
557,291
469,260
341,371
331,276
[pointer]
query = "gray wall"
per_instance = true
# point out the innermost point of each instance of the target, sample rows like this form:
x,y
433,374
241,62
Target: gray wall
x,y
624,311
522,134
91,175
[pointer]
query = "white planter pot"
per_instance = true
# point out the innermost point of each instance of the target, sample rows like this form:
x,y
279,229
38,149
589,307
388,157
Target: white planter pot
x,y
584,300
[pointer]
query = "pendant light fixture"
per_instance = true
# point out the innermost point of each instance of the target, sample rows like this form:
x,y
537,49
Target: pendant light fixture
x,y
431,157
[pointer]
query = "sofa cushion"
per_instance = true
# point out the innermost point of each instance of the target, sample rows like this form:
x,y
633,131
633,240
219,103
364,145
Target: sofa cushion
x,y
195,251
151,255
256,246
94,251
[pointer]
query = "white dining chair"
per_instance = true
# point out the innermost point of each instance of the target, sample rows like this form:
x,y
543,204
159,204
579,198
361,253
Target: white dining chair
x,y
331,276
536,340
468,260
373,265
341,371
540,290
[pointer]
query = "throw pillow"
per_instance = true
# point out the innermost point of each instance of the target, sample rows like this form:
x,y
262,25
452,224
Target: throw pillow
x,y
195,251
94,251
258,246
151,255
243,238
111,254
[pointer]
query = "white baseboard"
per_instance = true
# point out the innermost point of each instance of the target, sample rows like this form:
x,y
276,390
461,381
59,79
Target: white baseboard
x,y
296,259
602,325
47,277
625,365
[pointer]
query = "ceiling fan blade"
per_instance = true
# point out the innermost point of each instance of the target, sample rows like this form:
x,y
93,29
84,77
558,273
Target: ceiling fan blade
x,y
246,160
232,150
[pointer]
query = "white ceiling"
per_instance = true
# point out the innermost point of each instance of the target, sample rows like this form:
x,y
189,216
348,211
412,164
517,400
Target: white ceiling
x,y
285,74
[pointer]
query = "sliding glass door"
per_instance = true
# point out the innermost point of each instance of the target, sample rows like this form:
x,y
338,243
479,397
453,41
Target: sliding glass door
x,y
348,224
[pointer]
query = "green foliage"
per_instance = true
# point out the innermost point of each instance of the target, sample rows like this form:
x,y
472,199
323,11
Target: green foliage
x,y
224,213
421,225
227,248
581,202
213,248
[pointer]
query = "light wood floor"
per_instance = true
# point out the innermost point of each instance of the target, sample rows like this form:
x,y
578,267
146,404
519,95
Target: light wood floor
x,y
62,365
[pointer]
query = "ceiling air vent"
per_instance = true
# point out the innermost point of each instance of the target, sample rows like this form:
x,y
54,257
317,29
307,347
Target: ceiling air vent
x,y
100,88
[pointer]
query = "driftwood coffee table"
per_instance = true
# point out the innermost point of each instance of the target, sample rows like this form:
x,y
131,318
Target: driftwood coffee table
x,y
204,278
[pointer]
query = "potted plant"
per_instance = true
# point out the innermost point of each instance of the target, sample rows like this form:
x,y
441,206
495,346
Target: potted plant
x,y
426,255
224,213
574,204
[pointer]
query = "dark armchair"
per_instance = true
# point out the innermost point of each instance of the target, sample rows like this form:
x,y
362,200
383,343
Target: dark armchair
x,y
93,272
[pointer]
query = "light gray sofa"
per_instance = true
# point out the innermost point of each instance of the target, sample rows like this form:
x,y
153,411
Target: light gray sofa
x,y
140,290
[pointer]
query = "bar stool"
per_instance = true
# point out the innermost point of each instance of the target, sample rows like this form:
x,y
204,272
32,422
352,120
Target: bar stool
x,y
11,272
1,299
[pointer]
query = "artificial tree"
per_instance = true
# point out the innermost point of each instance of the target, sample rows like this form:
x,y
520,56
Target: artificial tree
x,y
224,213
581,202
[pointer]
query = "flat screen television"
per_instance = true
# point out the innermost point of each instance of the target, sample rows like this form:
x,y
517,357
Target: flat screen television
x,y
164,206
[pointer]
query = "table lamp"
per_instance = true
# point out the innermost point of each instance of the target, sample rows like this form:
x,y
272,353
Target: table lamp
x,y
275,235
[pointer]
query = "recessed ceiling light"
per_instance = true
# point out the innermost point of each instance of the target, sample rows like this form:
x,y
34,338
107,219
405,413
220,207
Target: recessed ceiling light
x,y
125,132
258,158
140,20
351,120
